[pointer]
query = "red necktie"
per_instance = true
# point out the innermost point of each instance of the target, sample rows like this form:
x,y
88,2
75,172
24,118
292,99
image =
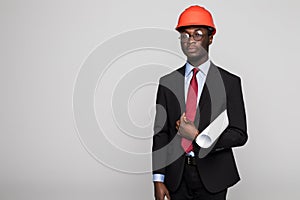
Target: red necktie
x,y
191,106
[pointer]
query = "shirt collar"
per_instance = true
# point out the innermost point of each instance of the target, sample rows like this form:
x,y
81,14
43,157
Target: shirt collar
x,y
203,68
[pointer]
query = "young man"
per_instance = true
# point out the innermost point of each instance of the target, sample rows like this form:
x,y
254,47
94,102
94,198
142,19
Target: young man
x,y
189,100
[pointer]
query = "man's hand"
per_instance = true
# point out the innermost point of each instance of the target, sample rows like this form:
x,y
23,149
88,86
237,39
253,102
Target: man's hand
x,y
161,191
186,128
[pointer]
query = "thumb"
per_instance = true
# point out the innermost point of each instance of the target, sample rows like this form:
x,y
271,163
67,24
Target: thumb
x,y
182,116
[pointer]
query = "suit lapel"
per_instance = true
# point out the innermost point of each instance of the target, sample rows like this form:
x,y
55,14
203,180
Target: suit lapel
x,y
179,91
212,100
203,109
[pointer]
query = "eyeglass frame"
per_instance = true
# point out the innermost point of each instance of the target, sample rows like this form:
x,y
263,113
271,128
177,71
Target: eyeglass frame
x,y
191,35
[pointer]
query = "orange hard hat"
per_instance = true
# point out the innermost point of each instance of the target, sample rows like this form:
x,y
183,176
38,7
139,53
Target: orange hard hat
x,y
196,15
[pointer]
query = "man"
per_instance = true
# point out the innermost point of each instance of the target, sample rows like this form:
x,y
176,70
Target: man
x,y
189,100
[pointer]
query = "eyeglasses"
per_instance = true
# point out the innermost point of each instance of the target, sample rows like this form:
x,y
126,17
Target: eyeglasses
x,y
198,35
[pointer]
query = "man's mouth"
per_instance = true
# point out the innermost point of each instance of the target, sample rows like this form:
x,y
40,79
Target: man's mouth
x,y
192,49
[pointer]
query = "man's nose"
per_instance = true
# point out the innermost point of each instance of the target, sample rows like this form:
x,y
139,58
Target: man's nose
x,y
191,39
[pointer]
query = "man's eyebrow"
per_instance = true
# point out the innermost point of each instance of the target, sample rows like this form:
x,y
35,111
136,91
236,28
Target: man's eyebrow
x,y
198,29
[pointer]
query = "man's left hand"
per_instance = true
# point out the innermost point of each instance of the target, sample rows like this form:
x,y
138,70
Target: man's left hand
x,y
186,128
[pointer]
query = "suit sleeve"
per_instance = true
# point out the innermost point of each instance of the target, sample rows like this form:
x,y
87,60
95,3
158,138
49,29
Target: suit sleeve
x,y
236,133
161,132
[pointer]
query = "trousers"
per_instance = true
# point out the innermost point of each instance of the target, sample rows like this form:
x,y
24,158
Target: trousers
x,y
192,188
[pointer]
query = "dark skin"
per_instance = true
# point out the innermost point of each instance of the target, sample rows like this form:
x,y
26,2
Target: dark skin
x,y
196,53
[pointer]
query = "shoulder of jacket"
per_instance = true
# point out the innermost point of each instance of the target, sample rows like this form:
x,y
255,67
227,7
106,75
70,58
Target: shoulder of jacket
x,y
226,74
174,74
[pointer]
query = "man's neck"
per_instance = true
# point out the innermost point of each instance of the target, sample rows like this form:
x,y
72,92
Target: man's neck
x,y
197,62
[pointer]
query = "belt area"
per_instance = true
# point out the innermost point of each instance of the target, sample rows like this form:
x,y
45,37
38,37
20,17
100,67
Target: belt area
x,y
189,160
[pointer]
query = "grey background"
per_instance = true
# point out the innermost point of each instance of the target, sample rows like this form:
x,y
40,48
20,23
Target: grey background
x,y
44,43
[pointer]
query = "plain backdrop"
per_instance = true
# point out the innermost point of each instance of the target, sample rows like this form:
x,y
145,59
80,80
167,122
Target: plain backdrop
x,y
43,44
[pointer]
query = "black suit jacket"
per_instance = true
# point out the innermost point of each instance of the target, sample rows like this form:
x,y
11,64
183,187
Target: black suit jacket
x,y
222,90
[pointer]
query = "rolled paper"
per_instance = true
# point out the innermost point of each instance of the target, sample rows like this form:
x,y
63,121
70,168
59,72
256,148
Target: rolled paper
x,y
212,132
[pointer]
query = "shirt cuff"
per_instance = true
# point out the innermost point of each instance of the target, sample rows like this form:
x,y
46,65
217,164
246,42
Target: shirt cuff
x,y
158,178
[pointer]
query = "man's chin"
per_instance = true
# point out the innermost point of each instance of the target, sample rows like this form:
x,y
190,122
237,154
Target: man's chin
x,y
195,56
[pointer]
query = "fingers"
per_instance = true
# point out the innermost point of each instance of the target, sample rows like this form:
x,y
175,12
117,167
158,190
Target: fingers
x,y
161,192
181,120
168,195
177,124
162,196
184,119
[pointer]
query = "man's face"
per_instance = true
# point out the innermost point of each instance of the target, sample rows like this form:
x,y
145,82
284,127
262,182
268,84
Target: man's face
x,y
195,48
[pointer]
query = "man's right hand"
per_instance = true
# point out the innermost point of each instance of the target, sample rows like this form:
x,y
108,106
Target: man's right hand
x,y
161,191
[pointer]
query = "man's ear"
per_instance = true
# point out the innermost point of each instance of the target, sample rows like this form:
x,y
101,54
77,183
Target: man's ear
x,y
211,37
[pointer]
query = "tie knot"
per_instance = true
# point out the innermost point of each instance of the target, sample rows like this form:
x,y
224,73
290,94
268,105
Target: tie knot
x,y
195,70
